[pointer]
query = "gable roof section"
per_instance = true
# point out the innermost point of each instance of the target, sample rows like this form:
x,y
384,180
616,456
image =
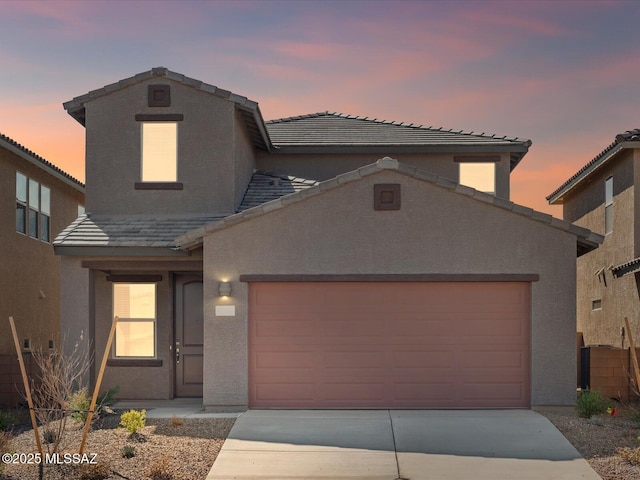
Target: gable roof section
x,y
266,186
38,161
587,240
247,108
628,139
337,132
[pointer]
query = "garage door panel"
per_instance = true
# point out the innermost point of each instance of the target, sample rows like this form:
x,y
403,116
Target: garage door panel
x,y
389,345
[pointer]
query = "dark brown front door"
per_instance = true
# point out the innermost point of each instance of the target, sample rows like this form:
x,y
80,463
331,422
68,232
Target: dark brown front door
x,y
188,336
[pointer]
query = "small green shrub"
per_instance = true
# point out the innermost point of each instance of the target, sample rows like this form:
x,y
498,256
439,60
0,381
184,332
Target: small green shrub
x,y
133,420
128,451
108,398
591,402
80,403
7,420
631,455
159,470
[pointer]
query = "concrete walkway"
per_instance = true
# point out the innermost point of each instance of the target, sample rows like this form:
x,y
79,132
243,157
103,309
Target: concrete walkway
x,y
391,445
178,407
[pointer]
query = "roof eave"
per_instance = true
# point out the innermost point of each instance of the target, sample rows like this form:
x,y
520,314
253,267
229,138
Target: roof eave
x,y
516,148
115,251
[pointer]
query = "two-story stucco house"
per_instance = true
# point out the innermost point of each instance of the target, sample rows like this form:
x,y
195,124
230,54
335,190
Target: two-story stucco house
x,y
601,197
319,261
37,201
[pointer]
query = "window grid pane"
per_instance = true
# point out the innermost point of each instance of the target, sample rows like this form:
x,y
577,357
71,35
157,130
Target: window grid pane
x,y
21,187
45,200
45,228
33,223
34,195
21,218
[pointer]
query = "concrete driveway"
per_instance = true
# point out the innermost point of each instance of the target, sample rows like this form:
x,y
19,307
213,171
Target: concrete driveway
x,y
397,444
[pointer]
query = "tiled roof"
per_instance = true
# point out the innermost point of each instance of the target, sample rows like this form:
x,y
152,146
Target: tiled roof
x,y
129,230
587,240
333,128
594,164
632,266
248,108
36,159
267,186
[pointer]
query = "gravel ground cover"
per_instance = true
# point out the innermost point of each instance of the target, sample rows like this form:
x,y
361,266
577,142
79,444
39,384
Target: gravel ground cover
x,y
601,438
172,449
166,449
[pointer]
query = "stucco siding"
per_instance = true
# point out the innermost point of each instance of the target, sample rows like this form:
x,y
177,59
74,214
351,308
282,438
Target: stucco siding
x,y
325,166
205,154
600,325
244,163
30,279
435,231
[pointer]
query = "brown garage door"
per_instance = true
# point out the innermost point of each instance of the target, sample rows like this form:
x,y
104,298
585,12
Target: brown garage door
x,y
389,345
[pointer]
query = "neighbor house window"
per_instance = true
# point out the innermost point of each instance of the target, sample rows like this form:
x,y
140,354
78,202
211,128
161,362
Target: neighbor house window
x,y
596,304
478,175
608,205
135,306
21,203
159,151
33,208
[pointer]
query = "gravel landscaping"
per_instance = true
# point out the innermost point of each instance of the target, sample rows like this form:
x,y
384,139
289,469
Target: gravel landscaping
x,y
174,449
166,449
601,438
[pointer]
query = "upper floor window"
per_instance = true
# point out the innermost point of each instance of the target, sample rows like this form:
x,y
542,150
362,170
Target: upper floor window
x,y
33,208
478,175
608,205
159,151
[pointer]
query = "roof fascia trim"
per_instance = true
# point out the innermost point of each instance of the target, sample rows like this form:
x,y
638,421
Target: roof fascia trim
x,y
384,149
112,251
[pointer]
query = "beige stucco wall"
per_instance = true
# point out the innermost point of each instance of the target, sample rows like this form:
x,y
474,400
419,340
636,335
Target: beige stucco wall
x,y
206,164
29,265
436,231
325,166
243,153
619,296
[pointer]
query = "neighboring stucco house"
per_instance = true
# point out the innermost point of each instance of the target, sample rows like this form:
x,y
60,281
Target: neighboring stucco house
x,y
291,263
601,197
37,201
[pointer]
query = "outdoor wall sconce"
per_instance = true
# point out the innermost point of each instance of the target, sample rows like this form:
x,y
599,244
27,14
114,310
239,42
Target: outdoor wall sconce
x,y
224,289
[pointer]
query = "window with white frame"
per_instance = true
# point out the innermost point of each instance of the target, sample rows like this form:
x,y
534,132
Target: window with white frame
x,y
135,306
33,208
478,175
608,205
159,151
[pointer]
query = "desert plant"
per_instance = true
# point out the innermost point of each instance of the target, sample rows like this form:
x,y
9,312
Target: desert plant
x,y
133,420
591,402
49,435
159,470
79,404
61,373
631,455
5,445
177,421
97,471
128,451
7,420
107,399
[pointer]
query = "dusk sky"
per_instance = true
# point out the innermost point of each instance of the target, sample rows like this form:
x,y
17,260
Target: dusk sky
x,y
563,74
